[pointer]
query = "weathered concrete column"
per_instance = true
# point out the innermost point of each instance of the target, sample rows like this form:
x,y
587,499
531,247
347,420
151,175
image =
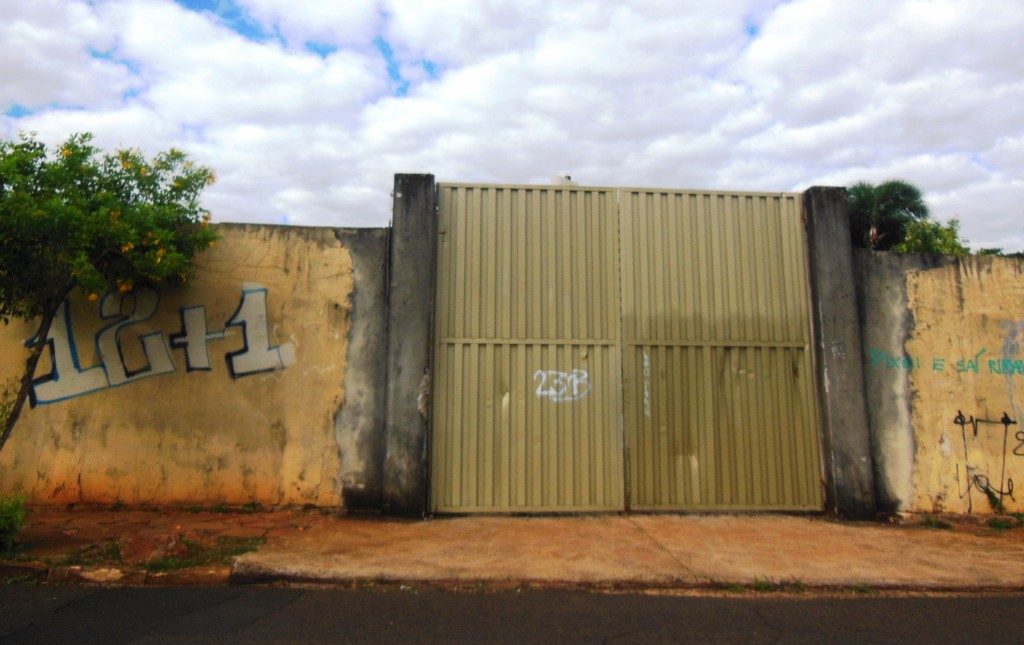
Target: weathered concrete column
x,y
410,329
849,474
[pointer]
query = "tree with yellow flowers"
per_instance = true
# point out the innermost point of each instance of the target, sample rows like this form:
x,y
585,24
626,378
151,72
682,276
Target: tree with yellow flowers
x,y
74,217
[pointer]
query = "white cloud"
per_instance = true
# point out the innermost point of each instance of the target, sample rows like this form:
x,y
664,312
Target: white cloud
x,y
51,53
662,93
338,22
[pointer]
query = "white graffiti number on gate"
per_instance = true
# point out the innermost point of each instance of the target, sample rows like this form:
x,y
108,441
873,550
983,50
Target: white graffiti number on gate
x,y
562,387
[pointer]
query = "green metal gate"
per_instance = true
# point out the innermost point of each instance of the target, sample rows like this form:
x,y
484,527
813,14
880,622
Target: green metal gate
x,y
527,390
713,407
719,398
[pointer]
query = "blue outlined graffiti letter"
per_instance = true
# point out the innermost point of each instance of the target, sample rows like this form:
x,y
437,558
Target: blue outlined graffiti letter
x,y
66,379
143,304
256,355
194,338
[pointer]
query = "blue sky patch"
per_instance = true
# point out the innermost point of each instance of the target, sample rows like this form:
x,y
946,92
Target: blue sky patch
x,y
17,111
233,17
108,55
394,71
752,30
322,50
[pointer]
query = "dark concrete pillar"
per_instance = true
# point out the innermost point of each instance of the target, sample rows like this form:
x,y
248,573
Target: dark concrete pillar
x,y
410,330
849,474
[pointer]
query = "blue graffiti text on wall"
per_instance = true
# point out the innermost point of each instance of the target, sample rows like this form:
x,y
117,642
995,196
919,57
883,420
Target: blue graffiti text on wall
x,y
67,378
976,364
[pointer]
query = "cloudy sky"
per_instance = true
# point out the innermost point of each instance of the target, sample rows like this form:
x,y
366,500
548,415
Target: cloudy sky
x,y
306,109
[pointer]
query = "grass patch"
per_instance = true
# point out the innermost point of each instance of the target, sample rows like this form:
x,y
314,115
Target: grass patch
x,y
864,590
25,579
1001,524
219,508
199,555
106,553
932,522
767,585
250,507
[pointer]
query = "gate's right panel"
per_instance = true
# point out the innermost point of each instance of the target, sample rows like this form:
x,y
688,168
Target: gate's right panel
x,y
720,411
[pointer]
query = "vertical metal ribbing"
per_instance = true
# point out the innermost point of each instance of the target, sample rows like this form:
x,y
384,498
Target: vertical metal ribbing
x,y
714,296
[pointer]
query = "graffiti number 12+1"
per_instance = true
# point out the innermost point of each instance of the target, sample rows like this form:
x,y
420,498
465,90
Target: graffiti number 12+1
x,y
67,378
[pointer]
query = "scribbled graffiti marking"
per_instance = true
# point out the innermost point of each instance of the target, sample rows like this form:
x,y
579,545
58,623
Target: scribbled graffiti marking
x,y
562,387
976,479
67,378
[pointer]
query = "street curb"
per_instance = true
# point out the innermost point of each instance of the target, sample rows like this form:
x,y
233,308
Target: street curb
x,y
40,572
249,574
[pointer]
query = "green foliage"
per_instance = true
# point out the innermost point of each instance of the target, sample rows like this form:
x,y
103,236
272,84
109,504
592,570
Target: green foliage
x,y
73,216
880,214
8,395
12,517
929,236
998,252
893,216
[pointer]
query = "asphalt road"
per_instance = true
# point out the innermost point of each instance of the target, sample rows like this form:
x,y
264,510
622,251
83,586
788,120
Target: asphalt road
x,y
44,614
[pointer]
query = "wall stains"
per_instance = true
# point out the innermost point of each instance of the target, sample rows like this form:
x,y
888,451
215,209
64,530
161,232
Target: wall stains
x,y
230,385
964,349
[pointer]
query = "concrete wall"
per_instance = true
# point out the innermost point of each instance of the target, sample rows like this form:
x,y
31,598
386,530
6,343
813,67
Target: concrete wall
x,y
260,381
845,432
944,338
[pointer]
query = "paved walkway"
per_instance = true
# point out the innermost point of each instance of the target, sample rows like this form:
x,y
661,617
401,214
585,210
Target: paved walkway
x,y
643,550
617,551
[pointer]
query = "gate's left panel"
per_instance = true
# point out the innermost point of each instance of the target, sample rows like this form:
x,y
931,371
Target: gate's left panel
x,y
527,392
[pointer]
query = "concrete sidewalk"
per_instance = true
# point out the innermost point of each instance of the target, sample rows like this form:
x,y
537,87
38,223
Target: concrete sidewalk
x,y
643,551
637,551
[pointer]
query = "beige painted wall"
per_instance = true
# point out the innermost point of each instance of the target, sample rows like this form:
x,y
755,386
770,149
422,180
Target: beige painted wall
x,y
202,436
966,353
